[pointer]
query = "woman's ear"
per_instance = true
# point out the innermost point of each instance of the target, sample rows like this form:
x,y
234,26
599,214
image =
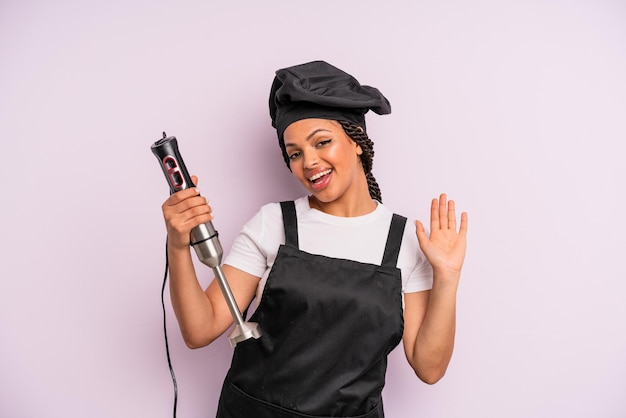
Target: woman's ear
x,y
359,150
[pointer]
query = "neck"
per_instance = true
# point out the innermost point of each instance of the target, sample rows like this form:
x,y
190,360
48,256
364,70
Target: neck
x,y
346,206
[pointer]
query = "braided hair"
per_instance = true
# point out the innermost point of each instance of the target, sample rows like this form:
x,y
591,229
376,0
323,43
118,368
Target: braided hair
x,y
358,135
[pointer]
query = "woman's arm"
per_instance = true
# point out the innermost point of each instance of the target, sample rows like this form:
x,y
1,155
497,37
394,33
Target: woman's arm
x,y
430,316
203,315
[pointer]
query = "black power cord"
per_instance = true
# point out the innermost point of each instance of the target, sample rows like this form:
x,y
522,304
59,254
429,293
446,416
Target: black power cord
x,y
167,346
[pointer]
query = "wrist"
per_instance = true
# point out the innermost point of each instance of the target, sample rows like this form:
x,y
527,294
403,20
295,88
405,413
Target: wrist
x,y
443,277
175,249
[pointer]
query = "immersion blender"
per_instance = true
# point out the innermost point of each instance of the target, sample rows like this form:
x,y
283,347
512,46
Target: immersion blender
x,y
204,238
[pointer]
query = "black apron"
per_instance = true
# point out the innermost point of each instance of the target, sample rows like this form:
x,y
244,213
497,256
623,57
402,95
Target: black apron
x,y
328,326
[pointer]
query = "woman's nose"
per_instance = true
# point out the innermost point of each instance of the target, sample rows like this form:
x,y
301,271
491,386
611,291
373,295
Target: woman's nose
x,y
310,159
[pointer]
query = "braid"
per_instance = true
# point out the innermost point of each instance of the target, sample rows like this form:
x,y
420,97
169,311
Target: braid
x,y
359,136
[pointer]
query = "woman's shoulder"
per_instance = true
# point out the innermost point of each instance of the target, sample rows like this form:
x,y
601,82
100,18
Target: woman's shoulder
x,y
270,215
273,210
275,206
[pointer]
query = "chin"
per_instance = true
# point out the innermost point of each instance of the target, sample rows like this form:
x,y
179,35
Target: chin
x,y
324,197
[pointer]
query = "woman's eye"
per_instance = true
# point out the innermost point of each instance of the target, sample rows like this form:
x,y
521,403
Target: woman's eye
x,y
294,155
324,142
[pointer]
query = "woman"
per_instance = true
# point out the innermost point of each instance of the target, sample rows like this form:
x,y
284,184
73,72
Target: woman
x,y
340,279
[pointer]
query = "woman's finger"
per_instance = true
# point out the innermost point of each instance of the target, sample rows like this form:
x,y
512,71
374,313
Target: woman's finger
x,y
451,215
434,215
182,195
464,221
443,212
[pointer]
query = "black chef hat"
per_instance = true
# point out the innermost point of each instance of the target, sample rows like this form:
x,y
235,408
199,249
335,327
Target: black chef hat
x,y
319,90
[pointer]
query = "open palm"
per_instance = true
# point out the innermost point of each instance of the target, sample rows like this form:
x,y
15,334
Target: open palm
x,y
445,247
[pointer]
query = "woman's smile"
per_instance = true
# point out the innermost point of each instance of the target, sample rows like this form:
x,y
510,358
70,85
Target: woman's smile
x,y
321,179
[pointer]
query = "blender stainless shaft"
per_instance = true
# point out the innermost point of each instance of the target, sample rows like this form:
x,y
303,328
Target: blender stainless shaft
x,y
204,238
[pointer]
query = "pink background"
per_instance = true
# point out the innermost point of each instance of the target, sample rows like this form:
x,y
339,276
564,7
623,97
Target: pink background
x,y
516,109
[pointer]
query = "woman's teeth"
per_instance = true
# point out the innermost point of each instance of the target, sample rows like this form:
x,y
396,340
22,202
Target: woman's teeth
x,y
319,175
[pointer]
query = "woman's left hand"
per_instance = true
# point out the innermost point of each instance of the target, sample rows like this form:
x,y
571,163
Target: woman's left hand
x,y
445,247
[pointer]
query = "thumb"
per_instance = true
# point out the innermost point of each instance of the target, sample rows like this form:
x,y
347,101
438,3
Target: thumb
x,y
420,232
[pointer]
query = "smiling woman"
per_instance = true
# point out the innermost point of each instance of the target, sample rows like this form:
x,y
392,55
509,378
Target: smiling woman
x,y
330,308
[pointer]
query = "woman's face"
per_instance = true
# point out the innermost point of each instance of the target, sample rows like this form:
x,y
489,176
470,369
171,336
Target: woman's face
x,y
325,159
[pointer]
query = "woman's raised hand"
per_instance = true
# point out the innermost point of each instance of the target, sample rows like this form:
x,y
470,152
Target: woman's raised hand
x,y
182,212
445,247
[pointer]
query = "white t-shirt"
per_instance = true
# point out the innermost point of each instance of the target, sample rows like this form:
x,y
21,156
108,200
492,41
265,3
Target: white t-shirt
x,y
360,238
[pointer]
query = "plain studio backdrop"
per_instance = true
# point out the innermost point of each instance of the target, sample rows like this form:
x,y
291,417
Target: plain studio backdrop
x,y
516,109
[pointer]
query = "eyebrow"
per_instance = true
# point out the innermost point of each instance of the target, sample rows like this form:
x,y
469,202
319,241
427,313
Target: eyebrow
x,y
309,136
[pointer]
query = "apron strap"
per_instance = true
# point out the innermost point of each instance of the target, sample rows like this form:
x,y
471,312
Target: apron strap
x,y
394,240
290,222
